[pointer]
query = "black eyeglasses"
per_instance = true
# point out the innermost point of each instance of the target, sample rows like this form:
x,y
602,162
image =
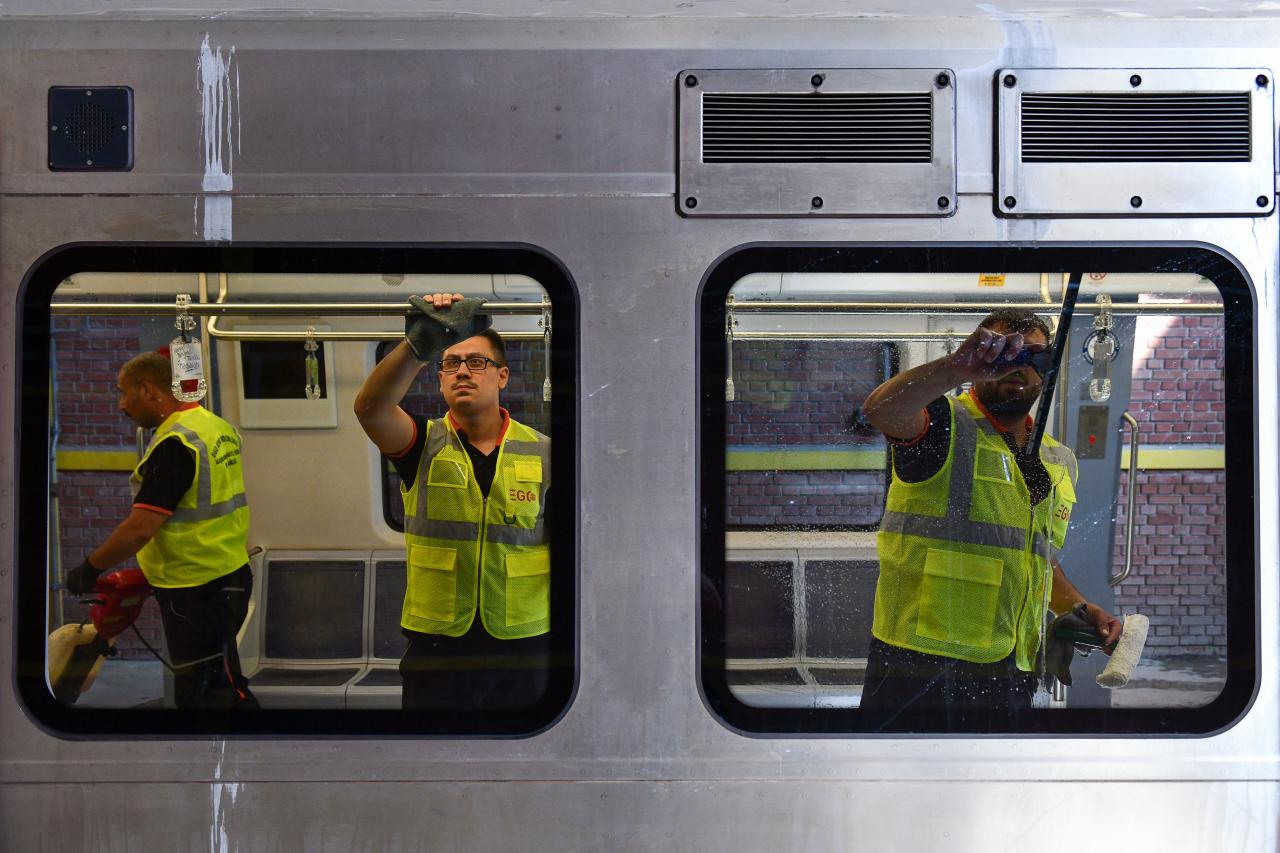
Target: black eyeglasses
x,y
475,363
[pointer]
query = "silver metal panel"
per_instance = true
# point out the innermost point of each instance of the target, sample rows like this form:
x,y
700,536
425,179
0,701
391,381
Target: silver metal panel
x,y
1134,188
591,815
638,762
817,189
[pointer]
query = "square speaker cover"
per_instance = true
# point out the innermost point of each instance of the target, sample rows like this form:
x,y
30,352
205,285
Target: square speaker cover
x,y
90,128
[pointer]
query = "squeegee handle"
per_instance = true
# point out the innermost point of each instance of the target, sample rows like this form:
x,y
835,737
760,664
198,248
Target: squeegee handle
x,y
1081,637
1060,340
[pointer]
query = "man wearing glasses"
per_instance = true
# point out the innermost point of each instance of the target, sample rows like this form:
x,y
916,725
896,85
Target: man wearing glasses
x,y
474,483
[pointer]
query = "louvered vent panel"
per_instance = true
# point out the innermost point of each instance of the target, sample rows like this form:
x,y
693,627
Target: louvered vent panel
x,y
893,127
1102,127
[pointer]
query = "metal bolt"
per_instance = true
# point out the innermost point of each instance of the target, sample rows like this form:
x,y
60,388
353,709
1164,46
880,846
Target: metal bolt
x,y
89,93
1136,201
815,202
1010,81
124,127
1135,81
1010,201
88,162
816,80
55,127
690,202
1262,201
691,81
943,202
1261,80
943,80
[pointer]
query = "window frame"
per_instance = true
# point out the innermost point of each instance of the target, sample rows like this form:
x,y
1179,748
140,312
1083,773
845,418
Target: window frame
x,y
31,403
1239,313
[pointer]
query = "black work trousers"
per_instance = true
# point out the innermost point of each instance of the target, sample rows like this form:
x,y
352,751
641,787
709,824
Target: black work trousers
x,y
474,672
907,690
200,627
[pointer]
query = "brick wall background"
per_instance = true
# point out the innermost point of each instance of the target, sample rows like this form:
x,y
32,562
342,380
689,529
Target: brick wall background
x,y
1179,561
87,354
789,394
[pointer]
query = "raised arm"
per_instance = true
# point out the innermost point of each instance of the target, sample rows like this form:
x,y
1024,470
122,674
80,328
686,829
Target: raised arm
x,y
896,408
378,400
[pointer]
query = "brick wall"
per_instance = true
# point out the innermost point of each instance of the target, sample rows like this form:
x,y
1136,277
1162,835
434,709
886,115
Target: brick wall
x,y
1179,561
87,354
802,393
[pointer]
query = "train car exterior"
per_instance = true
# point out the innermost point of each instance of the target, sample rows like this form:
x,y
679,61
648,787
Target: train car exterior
x,y
563,163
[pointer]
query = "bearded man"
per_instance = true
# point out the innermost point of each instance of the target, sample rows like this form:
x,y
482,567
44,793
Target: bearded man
x,y
968,545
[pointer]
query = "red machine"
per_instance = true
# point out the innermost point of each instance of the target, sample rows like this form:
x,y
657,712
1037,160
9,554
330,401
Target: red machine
x,y
76,651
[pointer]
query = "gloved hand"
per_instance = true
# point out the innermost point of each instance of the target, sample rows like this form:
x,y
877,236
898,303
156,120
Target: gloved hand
x,y
429,330
1060,646
81,579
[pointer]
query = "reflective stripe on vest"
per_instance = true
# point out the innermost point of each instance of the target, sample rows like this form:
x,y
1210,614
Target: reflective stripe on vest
x,y
204,538
956,579
465,552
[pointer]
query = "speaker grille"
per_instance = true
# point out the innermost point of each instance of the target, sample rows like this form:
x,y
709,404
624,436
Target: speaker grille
x,y
866,127
1102,127
90,128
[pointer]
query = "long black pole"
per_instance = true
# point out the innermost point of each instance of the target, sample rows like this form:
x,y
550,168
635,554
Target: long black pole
x,y
1060,341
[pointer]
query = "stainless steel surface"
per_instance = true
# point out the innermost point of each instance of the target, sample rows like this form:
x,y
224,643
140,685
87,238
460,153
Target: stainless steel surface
x,y
1140,188
1129,520
368,131
818,189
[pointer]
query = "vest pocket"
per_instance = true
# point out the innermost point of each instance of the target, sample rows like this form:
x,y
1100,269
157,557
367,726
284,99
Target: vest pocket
x,y
432,582
958,595
528,586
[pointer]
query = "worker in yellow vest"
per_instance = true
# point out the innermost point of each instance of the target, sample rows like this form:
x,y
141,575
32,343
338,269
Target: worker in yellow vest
x,y
969,538
187,529
476,610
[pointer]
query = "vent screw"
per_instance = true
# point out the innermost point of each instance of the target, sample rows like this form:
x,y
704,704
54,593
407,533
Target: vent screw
x,y
1262,201
691,81
943,80
1136,201
944,202
1261,80
816,80
815,202
690,202
1010,201
1010,81
1135,81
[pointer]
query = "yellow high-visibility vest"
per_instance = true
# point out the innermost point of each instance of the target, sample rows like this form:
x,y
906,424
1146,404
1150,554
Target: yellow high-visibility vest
x,y
965,566
466,552
204,539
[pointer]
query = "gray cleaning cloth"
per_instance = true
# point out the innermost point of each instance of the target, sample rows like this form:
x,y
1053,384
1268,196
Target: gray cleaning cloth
x,y
429,330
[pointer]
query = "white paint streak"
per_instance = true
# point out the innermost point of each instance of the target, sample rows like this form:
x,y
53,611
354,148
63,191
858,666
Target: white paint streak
x,y
223,800
217,217
219,133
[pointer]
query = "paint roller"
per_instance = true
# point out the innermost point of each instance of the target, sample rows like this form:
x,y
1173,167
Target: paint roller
x,y
1073,632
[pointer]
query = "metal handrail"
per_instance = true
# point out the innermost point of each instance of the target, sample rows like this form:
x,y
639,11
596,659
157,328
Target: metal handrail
x,y
1133,496
213,310
277,309
774,306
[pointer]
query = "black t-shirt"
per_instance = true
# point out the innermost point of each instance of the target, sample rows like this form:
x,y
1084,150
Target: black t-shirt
x,y
917,459
166,476
406,463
